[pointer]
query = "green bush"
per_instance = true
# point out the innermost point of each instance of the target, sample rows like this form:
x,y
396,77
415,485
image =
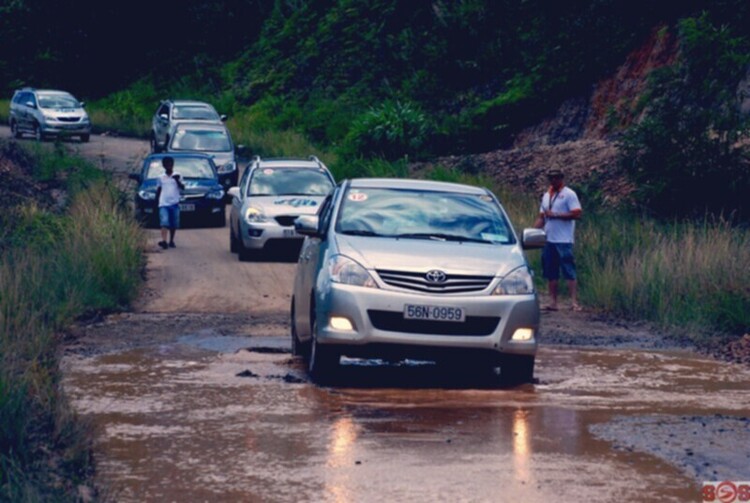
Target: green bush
x,y
393,130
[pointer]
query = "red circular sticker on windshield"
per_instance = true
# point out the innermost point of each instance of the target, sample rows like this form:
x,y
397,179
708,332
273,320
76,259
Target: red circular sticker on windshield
x,y
357,196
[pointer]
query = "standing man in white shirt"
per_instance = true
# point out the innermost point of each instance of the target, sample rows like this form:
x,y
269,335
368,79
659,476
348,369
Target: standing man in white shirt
x,y
558,213
168,188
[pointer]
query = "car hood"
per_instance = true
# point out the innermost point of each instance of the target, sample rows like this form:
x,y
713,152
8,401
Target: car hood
x,y
417,255
220,158
65,113
286,205
192,186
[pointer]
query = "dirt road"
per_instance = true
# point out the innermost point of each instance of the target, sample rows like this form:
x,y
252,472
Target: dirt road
x,y
195,397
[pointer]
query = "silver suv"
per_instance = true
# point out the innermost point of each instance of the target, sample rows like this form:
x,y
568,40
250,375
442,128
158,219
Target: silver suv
x,y
271,195
47,112
171,112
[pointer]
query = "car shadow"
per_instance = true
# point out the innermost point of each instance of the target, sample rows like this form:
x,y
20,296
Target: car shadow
x,y
369,374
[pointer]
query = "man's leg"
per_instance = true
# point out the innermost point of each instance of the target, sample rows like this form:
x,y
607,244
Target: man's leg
x,y
553,289
164,224
175,222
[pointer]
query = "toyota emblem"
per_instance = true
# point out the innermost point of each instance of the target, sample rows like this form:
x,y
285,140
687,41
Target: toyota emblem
x,y
436,276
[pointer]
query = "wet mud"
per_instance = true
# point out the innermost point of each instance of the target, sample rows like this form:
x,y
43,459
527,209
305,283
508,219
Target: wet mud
x,y
206,416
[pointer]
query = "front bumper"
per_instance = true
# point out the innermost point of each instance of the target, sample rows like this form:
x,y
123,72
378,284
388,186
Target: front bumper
x,y
257,235
149,210
379,328
65,129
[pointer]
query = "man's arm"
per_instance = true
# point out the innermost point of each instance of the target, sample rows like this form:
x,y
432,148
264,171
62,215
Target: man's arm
x,y
539,222
574,214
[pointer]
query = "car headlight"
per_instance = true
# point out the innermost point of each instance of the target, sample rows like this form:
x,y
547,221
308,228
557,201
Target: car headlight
x,y
215,194
228,167
85,118
48,117
518,282
147,195
254,215
348,272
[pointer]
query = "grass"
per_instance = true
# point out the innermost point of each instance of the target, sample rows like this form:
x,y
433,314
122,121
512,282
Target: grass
x,y
4,111
88,259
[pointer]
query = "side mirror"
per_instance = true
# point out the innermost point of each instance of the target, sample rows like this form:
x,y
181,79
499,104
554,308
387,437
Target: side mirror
x,y
534,238
134,176
307,225
82,104
223,118
164,117
234,192
30,104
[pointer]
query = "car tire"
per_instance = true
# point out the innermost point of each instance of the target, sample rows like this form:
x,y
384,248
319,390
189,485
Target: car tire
x,y
220,220
299,348
244,254
517,369
14,131
324,359
85,138
38,135
233,245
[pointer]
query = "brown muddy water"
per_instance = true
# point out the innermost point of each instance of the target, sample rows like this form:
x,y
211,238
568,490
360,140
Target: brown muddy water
x,y
222,418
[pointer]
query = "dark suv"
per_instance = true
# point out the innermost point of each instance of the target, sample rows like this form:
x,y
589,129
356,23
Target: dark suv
x,y
47,112
174,111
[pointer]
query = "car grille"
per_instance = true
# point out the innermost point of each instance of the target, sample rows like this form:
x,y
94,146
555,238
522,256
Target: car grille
x,y
454,283
286,220
69,119
394,321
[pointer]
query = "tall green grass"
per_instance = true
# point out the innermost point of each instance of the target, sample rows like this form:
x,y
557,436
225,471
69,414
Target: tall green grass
x,y
4,111
89,260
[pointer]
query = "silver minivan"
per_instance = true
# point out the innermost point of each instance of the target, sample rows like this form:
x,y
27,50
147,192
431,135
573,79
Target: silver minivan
x,y
47,112
394,268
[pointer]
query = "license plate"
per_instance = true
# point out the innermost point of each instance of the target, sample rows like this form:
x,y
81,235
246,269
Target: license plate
x,y
290,233
187,207
434,313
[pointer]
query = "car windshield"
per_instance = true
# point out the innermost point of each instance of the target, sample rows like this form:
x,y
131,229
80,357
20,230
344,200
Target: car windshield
x,y
194,112
57,101
185,167
416,214
289,181
206,140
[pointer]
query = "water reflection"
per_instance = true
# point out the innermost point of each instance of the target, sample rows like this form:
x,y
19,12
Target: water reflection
x,y
521,444
340,457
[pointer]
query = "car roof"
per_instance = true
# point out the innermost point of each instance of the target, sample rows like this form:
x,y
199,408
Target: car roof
x,y
49,91
289,163
191,103
411,184
219,126
176,155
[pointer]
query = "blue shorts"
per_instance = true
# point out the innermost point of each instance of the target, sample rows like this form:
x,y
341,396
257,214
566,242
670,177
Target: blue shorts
x,y
557,256
169,216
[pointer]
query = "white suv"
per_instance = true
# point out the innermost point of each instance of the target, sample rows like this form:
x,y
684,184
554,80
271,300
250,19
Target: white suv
x,y
46,112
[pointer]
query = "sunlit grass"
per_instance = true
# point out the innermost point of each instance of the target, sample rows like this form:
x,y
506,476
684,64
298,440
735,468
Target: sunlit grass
x,y
60,267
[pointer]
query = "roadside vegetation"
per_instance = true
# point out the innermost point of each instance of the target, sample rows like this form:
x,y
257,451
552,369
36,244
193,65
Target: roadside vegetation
x,y
55,266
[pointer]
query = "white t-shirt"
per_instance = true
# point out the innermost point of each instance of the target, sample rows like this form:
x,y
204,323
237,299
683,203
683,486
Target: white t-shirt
x,y
170,191
559,230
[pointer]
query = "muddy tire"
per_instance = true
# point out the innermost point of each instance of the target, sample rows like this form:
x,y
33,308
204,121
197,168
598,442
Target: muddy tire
x,y
38,135
517,369
220,219
323,361
245,254
154,145
14,130
234,247
299,348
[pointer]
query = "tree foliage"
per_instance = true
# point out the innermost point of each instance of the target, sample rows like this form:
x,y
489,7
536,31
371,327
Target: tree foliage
x,y
687,156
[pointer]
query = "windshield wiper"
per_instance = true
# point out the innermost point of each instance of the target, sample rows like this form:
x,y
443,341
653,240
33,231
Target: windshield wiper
x,y
361,232
440,237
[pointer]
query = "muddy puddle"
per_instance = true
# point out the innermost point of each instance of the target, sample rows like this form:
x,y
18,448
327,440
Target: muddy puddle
x,y
221,418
